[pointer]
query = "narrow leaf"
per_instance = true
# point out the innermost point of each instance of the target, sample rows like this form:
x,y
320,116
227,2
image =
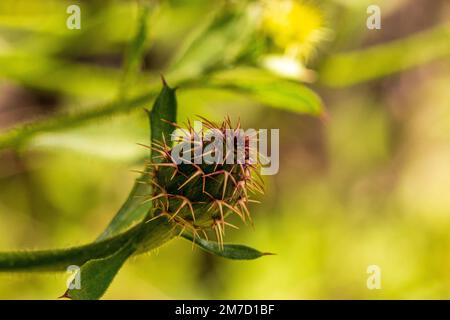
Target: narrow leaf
x,y
269,89
220,39
135,51
229,251
350,68
97,274
135,209
132,211
164,110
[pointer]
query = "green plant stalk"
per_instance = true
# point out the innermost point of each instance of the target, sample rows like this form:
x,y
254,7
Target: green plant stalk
x,y
20,134
350,68
145,236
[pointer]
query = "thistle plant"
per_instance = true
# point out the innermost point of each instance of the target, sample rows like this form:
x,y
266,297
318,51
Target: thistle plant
x,y
199,197
170,199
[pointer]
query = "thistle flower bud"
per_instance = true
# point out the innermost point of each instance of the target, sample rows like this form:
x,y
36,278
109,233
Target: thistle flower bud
x,y
197,193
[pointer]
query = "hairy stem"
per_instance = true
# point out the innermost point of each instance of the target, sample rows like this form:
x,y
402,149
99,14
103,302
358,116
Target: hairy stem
x,y
145,236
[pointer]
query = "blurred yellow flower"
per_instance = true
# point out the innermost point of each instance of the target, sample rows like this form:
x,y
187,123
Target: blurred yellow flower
x,y
297,27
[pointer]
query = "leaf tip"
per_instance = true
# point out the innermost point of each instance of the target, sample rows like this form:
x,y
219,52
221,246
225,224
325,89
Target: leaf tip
x,y
165,85
163,80
65,295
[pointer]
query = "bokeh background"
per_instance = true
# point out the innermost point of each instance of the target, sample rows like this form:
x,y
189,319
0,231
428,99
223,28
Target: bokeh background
x,y
366,182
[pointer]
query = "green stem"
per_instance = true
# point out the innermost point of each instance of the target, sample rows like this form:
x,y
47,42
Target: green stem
x,y
146,236
22,133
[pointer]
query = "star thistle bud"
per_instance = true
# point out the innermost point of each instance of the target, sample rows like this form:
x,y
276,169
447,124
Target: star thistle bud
x,y
212,178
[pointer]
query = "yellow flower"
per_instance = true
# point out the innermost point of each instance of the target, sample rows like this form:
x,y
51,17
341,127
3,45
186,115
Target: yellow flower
x,y
297,27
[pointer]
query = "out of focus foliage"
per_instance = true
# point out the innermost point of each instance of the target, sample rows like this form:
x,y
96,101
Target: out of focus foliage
x,y
366,182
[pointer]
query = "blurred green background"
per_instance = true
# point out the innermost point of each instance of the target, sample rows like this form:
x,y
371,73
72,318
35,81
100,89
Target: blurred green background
x,y
364,176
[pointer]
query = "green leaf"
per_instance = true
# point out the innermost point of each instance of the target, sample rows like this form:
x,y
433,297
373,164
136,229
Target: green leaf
x,y
135,52
220,40
268,89
164,110
134,209
55,74
96,275
229,251
350,68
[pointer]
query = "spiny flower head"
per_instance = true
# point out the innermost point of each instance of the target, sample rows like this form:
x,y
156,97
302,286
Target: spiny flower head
x,y
200,189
